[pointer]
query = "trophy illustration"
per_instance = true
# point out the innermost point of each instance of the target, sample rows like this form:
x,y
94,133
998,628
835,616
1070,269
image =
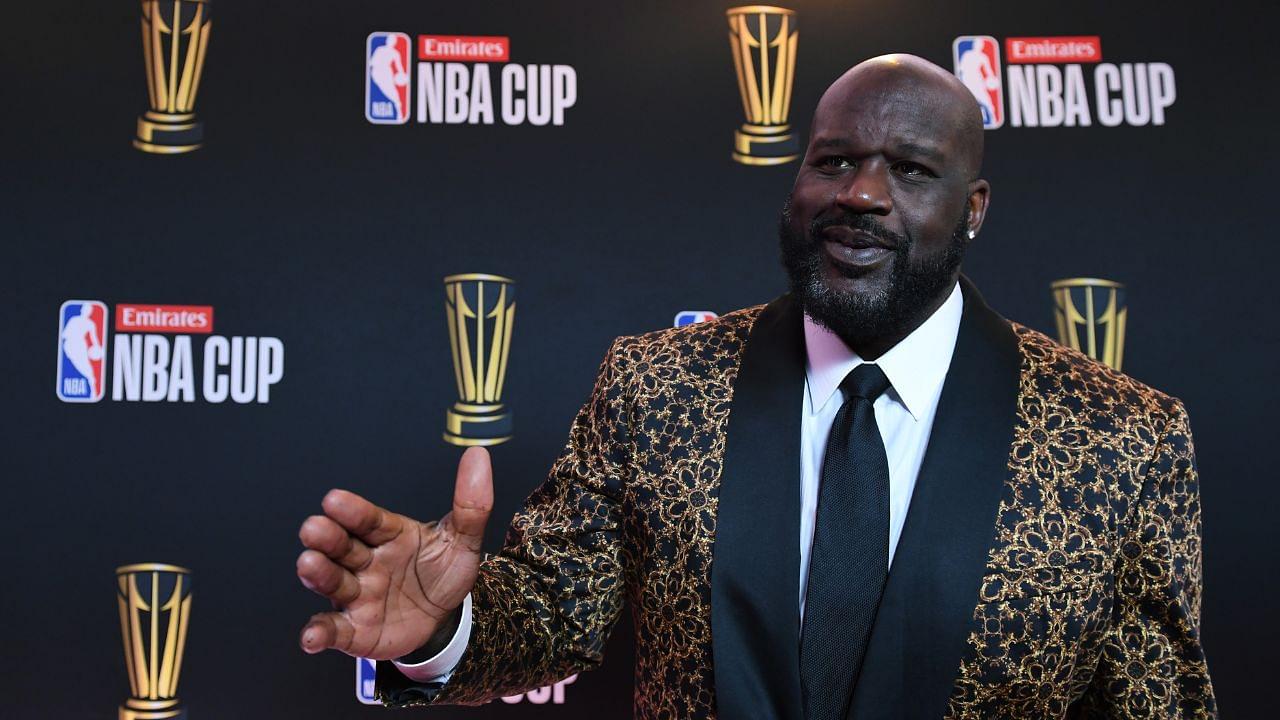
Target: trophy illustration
x,y
1091,315
155,608
480,310
763,40
175,35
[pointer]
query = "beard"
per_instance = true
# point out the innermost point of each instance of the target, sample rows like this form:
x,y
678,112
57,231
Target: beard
x,y
890,311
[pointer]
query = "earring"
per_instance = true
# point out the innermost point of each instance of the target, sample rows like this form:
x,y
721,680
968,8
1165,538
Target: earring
x,y
972,234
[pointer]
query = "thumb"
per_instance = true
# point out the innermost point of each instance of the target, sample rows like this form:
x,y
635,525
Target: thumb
x,y
472,496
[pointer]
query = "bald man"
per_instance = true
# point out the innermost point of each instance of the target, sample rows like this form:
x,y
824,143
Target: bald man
x,y
872,497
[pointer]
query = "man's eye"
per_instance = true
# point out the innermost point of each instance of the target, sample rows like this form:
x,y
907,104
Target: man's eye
x,y
836,162
911,169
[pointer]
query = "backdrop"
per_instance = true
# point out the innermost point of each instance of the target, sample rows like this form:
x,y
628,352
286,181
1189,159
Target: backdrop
x,y
307,241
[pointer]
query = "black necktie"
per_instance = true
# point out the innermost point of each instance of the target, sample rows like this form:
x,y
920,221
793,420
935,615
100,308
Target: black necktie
x,y
850,558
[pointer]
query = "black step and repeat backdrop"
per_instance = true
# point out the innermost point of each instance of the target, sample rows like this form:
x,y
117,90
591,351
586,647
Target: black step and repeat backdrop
x,y
224,264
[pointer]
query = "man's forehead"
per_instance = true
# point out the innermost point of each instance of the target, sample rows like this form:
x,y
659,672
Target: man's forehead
x,y
902,108
903,105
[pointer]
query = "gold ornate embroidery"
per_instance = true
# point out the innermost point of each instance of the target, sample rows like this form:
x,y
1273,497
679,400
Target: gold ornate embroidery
x,y
1091,602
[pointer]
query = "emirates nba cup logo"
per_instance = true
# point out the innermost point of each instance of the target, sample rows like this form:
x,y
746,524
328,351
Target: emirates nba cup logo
x,y
480,310
1091,316
175,36
161,353
155,610
1061,81
763,40
461,80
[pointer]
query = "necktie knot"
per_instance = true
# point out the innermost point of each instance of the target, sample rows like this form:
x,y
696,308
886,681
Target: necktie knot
x,y
865,381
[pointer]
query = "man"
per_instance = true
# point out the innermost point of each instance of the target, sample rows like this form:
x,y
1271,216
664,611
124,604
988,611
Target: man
x,y
1040,560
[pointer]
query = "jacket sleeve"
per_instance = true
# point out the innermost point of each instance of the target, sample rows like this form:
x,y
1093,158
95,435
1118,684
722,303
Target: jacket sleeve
x,y
1152,663
543,607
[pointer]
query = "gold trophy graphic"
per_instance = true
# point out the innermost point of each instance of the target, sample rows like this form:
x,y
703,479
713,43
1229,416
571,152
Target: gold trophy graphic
x,y
1091,315
763,40
480,310
175,36
155,608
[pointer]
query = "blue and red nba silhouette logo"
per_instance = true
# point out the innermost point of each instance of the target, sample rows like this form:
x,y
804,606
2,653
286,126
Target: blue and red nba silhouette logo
x,y
977,64
689,317
366,679
386,78
82,351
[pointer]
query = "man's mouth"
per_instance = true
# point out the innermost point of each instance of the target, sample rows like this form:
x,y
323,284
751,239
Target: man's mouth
x,y
853,248
855,238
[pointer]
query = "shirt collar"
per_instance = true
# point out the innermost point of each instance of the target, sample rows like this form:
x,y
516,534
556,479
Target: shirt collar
x,y
916,366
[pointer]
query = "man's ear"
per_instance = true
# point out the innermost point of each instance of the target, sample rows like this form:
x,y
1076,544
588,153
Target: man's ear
x,y
979,199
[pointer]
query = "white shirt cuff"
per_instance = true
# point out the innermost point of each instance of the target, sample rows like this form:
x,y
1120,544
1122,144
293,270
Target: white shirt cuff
x,y
440,667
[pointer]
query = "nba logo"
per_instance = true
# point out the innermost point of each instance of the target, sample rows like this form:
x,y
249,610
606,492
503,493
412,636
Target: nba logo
x,y
977,63
386,78
82,351
366,677
689,317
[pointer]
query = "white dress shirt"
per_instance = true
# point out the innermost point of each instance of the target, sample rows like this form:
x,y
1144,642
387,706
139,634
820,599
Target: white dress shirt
x,y
916,368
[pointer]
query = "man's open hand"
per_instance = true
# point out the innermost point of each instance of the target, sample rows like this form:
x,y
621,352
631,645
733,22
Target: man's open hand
x,y
394,582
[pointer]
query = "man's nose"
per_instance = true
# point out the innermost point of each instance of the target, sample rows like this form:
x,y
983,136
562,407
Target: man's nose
x,y
867,190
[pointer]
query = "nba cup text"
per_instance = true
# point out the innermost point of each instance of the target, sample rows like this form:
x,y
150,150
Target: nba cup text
x,y
541,696
1124,94
457,93
155,368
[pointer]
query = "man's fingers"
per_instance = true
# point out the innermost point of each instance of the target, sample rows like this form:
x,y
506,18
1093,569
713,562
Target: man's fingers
x,y
324,576
324,534
327,630
472,494
362,518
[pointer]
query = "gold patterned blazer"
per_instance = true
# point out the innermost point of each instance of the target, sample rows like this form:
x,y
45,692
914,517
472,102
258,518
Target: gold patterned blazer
x,y
1049,566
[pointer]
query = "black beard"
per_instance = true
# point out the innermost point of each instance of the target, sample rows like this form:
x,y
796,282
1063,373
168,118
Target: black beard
x,y
860,319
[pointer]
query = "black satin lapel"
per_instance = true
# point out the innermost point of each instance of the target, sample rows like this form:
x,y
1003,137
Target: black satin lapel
x,y
755,570
926,613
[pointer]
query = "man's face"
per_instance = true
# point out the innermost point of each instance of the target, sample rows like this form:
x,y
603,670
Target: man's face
x,y
878,220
